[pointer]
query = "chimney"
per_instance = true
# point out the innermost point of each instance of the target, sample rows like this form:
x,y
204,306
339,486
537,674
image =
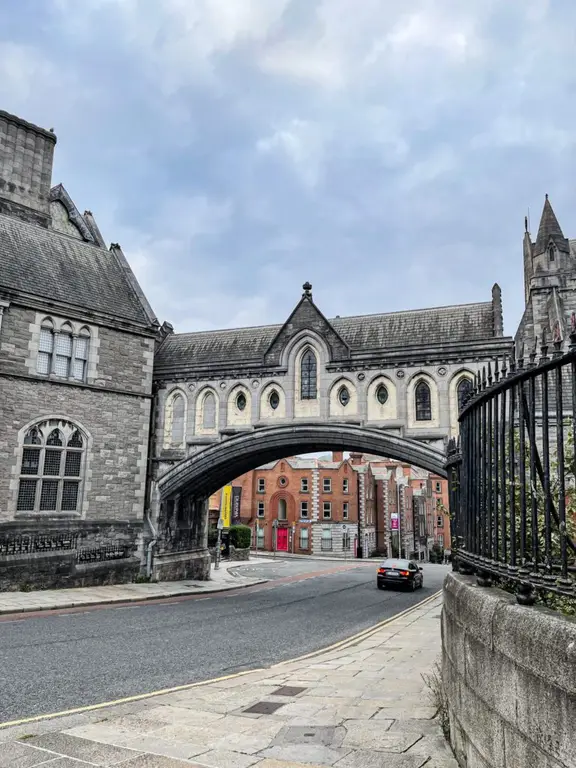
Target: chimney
x,y
338,456
356,459
26,154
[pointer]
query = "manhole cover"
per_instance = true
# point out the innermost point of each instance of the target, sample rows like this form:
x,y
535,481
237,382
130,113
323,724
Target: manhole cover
x,y
264,708
288,690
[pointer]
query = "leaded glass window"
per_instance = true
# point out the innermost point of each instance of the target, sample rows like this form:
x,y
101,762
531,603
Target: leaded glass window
x,y
423,398
274,400
51,468
60,353
463,390
308,376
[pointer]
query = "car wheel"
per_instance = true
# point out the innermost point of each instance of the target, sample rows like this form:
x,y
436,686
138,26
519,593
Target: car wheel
x,y
380,586
412,586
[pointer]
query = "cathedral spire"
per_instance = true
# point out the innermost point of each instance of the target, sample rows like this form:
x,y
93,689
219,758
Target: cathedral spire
x,y
549,229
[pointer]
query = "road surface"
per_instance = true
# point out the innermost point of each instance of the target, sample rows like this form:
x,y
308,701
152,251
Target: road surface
x,y
62,660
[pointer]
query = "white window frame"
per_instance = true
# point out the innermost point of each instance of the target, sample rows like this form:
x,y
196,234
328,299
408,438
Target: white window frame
x,y
304,506
304,538
261,509
345,510
326,540
327,485
345,485
75,358
261,487
304,485
327,505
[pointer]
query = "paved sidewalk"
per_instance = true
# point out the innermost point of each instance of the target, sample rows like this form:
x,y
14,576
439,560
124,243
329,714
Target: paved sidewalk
x,y
362,704
222,580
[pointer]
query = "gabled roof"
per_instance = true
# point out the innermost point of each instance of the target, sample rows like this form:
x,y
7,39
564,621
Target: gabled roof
x,y
54,266
393,330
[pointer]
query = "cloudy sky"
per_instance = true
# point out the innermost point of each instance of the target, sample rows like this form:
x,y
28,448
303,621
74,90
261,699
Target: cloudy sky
x,y
386,151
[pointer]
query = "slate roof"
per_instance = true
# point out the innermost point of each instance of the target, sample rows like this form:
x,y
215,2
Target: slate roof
x,y
461,323
54,266
549,229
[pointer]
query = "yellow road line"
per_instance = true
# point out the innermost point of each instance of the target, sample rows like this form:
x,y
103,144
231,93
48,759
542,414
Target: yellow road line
x,y
364,634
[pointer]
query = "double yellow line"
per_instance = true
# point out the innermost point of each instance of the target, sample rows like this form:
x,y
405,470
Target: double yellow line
x,y
363,635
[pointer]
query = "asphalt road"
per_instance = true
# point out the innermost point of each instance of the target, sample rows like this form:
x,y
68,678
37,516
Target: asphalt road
x,y
59,661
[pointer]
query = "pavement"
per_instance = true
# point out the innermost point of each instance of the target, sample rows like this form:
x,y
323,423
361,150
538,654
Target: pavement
x,y
362,703
221,580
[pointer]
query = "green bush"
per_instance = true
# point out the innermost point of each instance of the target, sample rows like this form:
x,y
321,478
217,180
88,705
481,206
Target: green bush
x,y
212,537
240,536
436,554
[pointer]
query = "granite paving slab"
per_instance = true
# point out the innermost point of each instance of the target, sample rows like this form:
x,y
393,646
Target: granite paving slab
x,y
325,716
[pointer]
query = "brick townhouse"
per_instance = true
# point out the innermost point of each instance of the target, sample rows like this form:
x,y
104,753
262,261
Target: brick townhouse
x,y
317,506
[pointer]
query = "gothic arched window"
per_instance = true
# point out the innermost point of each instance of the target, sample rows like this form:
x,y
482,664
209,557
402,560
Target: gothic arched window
x,y
178,407
551,252
51,468
209,411
423,401
463,391
308,376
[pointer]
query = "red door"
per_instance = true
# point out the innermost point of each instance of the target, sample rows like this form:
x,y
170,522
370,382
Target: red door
x,y
282,539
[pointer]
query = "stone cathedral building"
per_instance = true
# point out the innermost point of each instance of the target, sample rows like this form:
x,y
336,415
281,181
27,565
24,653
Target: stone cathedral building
x,y
98,400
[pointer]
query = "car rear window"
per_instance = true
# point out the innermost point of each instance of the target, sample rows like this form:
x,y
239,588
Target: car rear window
x,y
395,564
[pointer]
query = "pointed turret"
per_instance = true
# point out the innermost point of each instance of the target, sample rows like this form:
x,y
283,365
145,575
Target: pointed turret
x,y
549,230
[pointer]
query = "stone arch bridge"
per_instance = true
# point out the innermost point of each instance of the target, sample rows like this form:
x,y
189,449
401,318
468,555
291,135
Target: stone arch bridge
x,y
229,401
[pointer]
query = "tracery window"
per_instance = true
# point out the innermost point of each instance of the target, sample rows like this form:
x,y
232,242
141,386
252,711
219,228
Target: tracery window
x,y
209,411
51,468
423,401
62,353
463,390
308,376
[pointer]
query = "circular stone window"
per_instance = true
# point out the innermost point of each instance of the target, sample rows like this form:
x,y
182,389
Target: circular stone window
x,y
283,481
344,396
274,399
382,394
241,401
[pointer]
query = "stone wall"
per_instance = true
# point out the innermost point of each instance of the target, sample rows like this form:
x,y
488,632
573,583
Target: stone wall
x,y
510,676
38,554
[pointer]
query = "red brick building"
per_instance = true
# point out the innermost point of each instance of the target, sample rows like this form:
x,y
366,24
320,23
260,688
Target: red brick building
x,y
360,506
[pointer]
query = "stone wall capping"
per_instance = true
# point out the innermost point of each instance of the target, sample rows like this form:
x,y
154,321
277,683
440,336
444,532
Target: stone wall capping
x,y
509,672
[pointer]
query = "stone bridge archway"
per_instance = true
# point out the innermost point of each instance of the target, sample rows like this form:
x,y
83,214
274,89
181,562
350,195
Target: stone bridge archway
x,y
183,491
206,471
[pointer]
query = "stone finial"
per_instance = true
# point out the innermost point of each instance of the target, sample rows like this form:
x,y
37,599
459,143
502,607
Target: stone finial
x,y
307,287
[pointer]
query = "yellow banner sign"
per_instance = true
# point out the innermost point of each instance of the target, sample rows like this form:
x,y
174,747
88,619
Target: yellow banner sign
x,y
226,506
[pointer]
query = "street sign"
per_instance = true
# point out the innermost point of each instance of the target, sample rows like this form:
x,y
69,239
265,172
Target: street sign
x,y
220,524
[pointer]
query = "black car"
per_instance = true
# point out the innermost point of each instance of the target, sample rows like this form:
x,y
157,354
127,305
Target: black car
x,y
404,573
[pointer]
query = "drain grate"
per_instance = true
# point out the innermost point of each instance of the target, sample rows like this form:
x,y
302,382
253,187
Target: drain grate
x,y
288,690
264,708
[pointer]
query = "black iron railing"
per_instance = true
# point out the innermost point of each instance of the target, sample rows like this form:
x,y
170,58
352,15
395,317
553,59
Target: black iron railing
x,y
512,473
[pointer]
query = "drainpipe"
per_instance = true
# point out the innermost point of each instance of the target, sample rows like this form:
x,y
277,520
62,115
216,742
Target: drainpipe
x,y
150,548
148,485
